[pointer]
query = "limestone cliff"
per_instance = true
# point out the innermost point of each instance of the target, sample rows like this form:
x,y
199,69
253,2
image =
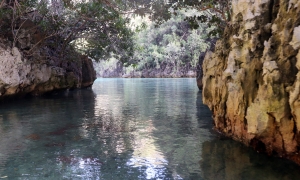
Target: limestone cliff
x,y
20,76
252,80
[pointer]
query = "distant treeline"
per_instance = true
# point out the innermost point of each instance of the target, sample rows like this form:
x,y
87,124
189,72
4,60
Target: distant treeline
x,y
171,49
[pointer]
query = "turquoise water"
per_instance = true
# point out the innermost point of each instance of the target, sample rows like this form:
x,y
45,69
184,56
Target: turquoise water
x,y
125,129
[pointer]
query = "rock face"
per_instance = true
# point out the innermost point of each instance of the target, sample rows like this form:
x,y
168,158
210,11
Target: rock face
x,y
252,80
200,63
88,72
20,76
200,69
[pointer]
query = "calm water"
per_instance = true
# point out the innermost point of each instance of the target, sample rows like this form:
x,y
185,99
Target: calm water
x,y
125,129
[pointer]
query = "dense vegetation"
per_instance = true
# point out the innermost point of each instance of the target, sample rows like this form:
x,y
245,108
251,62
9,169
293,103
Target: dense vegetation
x,y
171,49
100,29
94,28
170,41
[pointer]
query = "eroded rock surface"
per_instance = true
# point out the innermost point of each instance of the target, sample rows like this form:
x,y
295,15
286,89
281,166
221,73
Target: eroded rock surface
x,y
252,80
88,72
20,76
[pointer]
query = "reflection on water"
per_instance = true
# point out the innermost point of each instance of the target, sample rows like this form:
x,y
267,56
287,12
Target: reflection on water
x,y
125,129
225,159
146,154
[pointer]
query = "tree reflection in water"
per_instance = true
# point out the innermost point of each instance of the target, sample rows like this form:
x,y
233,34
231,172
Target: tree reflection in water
x,y
125,129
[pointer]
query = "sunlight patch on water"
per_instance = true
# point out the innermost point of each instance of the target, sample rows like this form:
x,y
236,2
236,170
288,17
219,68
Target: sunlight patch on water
x,y
125,129
146,153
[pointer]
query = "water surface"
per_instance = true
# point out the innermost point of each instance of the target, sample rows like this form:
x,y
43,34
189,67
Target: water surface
x,y
125,129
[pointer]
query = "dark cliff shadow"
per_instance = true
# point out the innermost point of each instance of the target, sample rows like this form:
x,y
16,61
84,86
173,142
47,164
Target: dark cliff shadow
x,y
204,114
226,159
26,121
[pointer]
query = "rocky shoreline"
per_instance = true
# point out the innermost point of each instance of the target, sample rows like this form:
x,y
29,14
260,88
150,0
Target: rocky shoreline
x,y
251,81
164,72
20,76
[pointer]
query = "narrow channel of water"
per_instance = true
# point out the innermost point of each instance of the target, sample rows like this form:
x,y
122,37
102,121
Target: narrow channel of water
x,y
125,129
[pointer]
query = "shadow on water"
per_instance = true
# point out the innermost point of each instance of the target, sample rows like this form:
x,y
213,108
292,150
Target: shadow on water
x,y
71,135
25,123
225,159
204,115
125,129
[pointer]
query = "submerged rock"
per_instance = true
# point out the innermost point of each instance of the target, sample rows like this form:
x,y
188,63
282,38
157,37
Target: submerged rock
x,y
33,137
252,80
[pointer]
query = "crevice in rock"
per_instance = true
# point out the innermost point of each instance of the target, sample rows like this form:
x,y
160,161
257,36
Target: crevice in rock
x,y
224,118
274,7
246,105
270,38
297,22
283,146
258,145
295,130
255,92
271,115
271,10
275,153
245,123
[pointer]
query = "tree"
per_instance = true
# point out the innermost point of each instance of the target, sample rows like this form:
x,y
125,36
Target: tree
x,y
93,27
170,46
99,28
215,12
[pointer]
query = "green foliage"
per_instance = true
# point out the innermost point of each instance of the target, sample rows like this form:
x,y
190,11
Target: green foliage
x,y
94,28
215,12
173,43
99,28
110,64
